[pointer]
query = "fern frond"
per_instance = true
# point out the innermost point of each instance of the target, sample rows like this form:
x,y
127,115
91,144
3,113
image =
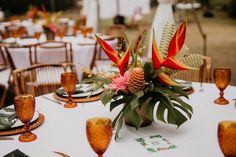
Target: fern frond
x,y
168,32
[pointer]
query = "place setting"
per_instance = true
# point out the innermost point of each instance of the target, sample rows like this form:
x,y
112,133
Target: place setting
x,y
20,119
71,92
117,78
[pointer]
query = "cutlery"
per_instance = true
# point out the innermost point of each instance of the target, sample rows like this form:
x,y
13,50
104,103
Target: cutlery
x,y
61,154
234,102
6,138
55,101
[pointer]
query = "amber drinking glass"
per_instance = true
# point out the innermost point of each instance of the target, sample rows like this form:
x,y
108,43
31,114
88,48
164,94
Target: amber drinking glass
x,y
99,134
61,33
37,35
68,81
25,108
222,79
227,138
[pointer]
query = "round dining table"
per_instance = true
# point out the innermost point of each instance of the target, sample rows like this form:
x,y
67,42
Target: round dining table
x,y
64,130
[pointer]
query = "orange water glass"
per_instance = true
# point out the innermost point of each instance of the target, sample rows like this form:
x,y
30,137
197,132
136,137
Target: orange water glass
x,y
222,78
25,108
99,134
69,81
227,138
61,33
37,35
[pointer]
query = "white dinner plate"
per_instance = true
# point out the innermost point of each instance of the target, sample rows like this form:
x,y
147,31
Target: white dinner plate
x,y
187,85
9,40
88,91
18,123
27,41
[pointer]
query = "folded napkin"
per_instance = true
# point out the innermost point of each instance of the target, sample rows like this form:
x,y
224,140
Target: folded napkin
x,y
16,153
78,90
7,118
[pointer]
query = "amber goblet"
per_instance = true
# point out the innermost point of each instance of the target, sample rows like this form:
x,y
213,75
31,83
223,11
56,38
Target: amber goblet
x,y
25,108
227,138
222,79
61,33
68,81
99,134
37,35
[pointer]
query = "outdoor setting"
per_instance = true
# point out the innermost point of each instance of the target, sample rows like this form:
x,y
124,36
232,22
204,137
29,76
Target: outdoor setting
x,y
116,78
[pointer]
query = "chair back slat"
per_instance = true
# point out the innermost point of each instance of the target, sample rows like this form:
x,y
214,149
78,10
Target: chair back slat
x,y
53,52
20,56
3,92
40,79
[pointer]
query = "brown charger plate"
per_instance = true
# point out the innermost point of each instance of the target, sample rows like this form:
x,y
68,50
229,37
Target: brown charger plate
x,y
78,100
20,129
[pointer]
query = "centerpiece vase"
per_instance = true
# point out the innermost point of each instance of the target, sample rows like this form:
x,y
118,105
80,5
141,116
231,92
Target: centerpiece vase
x,y
141,112
50,35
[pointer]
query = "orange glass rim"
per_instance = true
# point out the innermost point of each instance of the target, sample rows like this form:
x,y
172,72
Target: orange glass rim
x,y
222,68
68,74
23,96
94,120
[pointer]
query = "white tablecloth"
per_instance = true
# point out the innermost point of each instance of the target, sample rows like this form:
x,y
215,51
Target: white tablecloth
x,y
64,129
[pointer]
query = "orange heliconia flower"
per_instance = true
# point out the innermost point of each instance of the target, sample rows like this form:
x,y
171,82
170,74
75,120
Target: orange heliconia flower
x,y
112,54
170,61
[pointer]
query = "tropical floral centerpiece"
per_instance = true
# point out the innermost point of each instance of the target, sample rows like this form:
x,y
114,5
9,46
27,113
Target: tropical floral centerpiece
x,y
144,88
50,25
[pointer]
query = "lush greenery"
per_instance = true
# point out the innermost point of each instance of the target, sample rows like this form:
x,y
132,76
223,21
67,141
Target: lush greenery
x,y
166,98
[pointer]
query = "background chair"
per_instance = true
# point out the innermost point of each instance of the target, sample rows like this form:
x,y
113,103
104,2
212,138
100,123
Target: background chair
x,y
52,52
40,79
3,59
3,92
201,75
115,30
20,56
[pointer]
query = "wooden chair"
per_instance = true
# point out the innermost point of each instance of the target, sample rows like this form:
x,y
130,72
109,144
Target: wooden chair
x,y
3,59
201,75
53,52
3,92
20,56
115,30
40,79
3,34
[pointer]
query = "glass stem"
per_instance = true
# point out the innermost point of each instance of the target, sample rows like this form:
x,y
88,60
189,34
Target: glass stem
x,y
221,94
70,98
100,155
26,127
